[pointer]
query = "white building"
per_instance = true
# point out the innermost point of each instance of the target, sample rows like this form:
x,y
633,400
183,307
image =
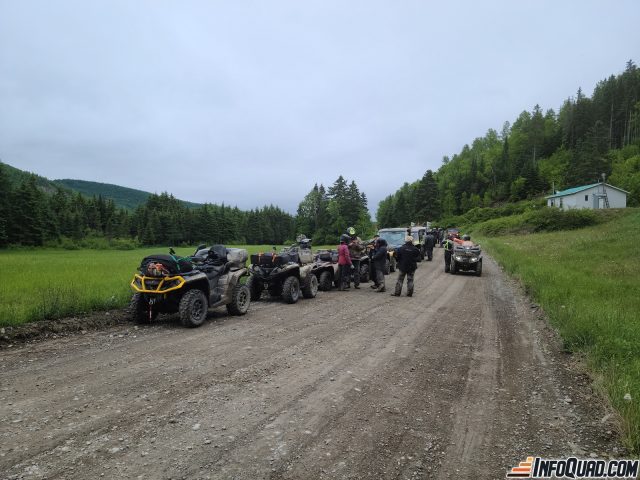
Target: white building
x,y
597,195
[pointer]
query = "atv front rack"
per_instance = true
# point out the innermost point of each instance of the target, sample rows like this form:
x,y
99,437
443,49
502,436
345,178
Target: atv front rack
x,y
144,284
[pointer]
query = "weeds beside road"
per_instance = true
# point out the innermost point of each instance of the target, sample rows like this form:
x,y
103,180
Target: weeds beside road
x,y
588,283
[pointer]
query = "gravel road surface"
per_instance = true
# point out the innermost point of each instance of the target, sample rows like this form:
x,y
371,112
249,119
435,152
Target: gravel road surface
x,y
461,381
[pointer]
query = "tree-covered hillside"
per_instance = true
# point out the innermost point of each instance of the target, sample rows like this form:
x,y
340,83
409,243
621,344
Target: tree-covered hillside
x,y
128,198
31,215
540,151
15,176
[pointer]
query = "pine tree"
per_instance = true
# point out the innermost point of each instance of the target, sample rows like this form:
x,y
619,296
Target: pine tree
x,y
27,214
427,198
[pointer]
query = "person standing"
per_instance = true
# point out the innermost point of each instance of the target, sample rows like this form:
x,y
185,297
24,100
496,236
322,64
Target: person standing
x,y
448,251
344,262
429,243
356,247
407,256
379,259
371,250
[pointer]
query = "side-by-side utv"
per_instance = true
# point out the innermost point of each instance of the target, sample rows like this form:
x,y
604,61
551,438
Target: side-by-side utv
x,y
191,285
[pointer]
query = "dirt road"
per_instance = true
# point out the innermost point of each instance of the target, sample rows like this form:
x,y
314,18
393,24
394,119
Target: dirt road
x,y
461,381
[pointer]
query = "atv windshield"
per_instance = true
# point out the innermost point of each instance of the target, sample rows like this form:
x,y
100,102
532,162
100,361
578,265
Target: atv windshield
x,y
394,238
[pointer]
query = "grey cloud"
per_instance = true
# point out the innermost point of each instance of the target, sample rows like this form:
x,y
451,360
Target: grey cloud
x,y
220,92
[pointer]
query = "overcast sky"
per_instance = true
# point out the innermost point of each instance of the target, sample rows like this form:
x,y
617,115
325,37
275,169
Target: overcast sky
x,y
252,102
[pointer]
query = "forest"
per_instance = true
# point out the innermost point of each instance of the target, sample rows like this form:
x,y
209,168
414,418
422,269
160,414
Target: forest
x,y
33,216
539,152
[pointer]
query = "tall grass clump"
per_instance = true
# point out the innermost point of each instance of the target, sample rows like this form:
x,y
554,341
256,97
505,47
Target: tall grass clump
x,y
588,282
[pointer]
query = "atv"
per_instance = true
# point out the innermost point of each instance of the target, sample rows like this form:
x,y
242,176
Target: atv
x,y
326,268
285,274
190,285
365,268
466,258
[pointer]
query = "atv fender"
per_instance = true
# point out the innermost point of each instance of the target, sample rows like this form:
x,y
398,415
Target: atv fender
x,y
226,284
305,271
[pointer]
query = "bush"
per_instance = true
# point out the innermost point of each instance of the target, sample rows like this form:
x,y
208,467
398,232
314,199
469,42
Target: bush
x,y
123,244
540,220
479,214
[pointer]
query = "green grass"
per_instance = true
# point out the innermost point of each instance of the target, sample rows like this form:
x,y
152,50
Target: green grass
x,y
54,283
588,282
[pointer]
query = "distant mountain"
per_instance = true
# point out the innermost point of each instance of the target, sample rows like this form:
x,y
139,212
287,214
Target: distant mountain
x,y
123,197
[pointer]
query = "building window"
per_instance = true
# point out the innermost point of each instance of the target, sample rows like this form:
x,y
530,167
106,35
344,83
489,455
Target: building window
x,y
561,203
552,204
586,198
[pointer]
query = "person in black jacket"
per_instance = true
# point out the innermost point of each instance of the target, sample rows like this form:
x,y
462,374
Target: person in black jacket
x,y
407,256
448,251
371,248
379,259
429,243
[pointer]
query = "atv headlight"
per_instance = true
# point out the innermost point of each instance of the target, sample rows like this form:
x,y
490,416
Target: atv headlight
x,y
473,259
458,258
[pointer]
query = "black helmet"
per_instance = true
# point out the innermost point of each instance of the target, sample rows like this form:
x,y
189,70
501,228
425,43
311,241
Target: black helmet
x,y
466,237
344,238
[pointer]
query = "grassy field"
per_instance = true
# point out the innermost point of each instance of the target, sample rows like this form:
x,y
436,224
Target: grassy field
x,y
48,284
588,282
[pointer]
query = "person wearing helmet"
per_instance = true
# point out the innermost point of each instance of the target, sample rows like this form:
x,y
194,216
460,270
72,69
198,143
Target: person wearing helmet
x,y
344,262
466,237
356,248
408,256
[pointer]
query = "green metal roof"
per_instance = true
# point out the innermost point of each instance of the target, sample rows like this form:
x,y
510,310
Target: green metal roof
x,y
571,191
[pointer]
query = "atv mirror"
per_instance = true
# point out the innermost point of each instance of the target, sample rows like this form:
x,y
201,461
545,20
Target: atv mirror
x,y
200,247
172,251
274,248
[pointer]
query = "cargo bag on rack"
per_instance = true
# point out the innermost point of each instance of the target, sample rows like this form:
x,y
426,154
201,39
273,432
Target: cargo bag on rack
x,y
171,265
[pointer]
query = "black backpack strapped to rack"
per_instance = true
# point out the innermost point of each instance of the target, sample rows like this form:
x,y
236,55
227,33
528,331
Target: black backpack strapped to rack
x,y
174,265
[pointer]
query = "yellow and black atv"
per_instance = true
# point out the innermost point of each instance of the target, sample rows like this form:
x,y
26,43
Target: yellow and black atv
x,y
212,277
